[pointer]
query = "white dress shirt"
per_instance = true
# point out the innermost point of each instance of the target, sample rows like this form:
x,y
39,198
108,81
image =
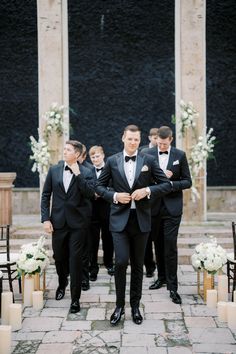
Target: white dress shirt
x,y
67,177
164,159
130,168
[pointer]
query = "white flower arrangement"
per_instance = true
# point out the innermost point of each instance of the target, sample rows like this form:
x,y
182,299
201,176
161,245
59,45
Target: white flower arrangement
x,y
54,122
33,258
41,155
188,114
209,256
203,148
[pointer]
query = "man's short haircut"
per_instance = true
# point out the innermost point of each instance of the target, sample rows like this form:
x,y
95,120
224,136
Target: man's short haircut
x,y
94,149
153,131
164,132
132,128
76,144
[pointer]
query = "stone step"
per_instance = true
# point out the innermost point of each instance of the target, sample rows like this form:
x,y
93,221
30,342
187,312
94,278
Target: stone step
x,y
193,242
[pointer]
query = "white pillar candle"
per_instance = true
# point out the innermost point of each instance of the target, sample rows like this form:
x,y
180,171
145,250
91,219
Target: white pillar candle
x,y
5,339
222,311
222,288
211,298
231,315
7,299
37,300
15,317
234,296
28,289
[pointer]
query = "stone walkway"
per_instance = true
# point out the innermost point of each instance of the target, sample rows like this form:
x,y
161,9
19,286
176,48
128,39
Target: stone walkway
x,y
167,328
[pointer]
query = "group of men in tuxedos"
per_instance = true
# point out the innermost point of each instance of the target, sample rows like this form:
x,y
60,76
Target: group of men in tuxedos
x,y
144,190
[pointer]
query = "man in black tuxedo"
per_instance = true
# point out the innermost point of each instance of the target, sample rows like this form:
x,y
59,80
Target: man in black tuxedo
x,y
131,174
167,211
100,221
68,219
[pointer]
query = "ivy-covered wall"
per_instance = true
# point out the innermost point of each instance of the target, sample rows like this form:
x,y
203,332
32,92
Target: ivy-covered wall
x,y
121,57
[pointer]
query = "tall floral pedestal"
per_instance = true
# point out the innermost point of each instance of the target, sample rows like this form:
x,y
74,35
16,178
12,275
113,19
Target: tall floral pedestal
x,y
30,284
205,282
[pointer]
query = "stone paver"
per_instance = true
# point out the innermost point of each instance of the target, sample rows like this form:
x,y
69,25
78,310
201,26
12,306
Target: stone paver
x,y
167,328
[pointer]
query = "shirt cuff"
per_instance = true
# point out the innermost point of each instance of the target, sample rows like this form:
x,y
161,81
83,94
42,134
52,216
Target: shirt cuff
x,y
148,190
114,198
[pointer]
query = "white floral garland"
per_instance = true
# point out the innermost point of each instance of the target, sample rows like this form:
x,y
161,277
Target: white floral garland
x,y
201,151
54,122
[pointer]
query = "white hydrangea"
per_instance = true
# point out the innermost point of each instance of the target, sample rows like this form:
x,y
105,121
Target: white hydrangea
x,y
33,258
188,115
209,256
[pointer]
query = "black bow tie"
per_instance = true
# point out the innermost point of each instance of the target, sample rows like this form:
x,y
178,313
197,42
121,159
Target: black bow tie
x,y
163,152
99,169
67,168
127,158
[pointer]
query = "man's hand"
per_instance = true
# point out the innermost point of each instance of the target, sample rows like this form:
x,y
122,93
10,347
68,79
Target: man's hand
x,y
123,198
169,173
47,226
75,169
139,194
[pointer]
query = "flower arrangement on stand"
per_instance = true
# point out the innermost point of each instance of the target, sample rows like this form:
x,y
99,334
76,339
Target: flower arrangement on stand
x,y
54,122
33,258
209,257
33,261
203,147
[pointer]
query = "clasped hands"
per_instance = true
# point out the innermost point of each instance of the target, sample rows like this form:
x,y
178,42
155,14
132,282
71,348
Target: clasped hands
x,y
125,198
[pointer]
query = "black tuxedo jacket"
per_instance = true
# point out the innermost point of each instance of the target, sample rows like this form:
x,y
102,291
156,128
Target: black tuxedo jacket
x,y
147,170
181,179
72,207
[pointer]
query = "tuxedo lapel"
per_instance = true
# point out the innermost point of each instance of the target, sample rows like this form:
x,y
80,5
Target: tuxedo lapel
x,y
60,174
120,164
171,159
139,165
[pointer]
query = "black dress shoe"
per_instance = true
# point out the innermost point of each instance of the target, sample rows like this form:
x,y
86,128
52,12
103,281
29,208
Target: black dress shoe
x,y
60,293
149,273
75,307
157,284
116,316
85,285
93,277
136,315
111,271
175,297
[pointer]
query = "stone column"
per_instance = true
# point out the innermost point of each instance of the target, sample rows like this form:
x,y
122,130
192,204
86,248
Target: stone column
x,y
53,64
6,184
190,76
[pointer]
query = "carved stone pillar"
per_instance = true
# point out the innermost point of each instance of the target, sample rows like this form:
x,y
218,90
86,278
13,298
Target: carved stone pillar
x,y
6,184
53,65
190,76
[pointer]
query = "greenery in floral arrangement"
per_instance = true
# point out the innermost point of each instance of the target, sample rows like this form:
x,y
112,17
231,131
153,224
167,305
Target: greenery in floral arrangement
x,y
209,256
33,258
54,122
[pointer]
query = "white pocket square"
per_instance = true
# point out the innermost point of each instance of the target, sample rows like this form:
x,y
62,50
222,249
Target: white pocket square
x,y
144,168
176,162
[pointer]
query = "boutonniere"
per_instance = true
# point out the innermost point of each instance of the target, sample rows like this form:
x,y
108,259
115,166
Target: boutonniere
x,y
144,168
176,162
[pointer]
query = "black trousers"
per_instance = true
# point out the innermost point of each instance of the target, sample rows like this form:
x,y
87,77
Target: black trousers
x,y
100,226
149,260
68,247
166,251
129,245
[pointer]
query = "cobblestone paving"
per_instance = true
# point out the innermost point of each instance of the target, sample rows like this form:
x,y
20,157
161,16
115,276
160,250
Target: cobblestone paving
x,y
167,328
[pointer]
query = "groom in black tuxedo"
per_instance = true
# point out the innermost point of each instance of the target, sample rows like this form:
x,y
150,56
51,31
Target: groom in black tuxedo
x,y
132,174
167,211
67,219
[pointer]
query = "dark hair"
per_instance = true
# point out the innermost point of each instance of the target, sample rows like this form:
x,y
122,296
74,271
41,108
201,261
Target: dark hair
x,y
164,132
76,144
132,128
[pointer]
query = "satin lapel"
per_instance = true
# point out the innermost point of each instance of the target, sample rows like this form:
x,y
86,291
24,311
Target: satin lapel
x,y
61,169
171,159
139,165
120,164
